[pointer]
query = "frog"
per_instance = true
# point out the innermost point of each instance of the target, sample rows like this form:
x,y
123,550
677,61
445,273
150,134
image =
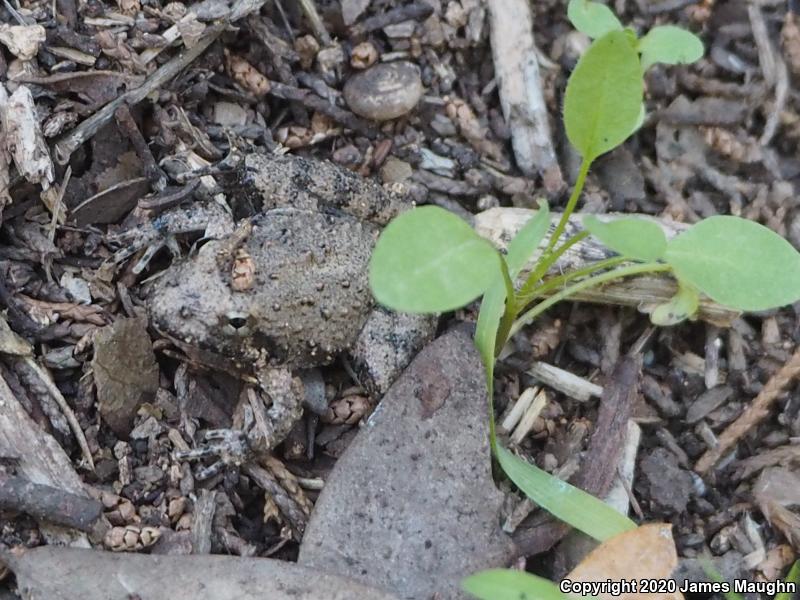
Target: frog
x,y
286,291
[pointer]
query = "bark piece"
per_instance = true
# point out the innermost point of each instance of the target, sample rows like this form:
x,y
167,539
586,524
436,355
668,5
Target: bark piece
x,y
66,574
24,138
125,372
38,458
411,506
47,503
22,40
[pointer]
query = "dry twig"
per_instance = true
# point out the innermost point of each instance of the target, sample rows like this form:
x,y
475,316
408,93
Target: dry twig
x,y
753,414
517,72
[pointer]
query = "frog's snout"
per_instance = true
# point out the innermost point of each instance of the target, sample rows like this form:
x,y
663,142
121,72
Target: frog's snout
x,y
236,324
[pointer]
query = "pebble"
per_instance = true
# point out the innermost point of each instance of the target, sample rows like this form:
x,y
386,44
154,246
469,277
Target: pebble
x,y
385,91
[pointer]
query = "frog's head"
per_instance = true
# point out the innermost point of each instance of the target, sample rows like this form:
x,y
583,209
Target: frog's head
x,y
193,305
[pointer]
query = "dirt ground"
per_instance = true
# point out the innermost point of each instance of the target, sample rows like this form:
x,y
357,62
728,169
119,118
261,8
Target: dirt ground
x,y
202,85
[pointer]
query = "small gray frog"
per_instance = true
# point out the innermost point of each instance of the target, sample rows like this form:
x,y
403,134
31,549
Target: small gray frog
x,y
288,290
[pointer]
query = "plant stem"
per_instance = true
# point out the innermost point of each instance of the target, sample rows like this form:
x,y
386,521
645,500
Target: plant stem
x,y
510,313
545,262
555,282
571,203
582,285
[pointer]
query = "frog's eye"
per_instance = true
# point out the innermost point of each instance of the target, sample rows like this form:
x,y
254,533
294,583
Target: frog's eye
x,y
236,323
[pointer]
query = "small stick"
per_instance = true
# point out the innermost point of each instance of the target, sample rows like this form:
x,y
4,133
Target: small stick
x,y
48,503
514,413
415,11
65,408
529,418
169,199
310,11
567,383
521,97
773,68
753,414
154,174
290,509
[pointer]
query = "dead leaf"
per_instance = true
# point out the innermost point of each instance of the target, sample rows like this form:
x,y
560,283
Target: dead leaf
x,y
125,372
647,552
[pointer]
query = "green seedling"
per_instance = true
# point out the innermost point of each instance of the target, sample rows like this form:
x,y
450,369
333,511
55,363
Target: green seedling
x,y
505,584
428,260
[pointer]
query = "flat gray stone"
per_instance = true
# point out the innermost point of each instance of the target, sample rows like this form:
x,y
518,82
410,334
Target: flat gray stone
x,y
58,573
411,506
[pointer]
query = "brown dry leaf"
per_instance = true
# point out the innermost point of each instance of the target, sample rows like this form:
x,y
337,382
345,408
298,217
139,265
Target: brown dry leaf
x,y
22,40
125,372
246,74
647,552
11,343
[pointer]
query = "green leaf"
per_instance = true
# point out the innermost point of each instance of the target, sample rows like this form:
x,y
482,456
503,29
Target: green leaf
x,y
592,18
505,584
737,262
683,305
519,252
792,577
603,100
430,260
527,240
492,308
493,305
629,237
570,504
670,45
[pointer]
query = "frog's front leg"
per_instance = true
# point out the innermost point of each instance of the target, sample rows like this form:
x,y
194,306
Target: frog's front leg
x,y
271,425
263,418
